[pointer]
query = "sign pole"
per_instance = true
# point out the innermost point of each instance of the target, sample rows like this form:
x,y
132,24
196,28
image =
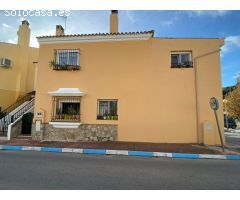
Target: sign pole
x,y
214,104
219,130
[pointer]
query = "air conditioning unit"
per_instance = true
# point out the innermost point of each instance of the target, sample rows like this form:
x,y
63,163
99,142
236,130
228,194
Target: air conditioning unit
x,y
5,62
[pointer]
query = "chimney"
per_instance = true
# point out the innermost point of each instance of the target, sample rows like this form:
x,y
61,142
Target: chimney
x,y
59,30
24,34
114,21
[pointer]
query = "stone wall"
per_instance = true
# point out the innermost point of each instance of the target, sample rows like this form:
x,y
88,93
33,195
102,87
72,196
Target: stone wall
x,y
16,128
85,132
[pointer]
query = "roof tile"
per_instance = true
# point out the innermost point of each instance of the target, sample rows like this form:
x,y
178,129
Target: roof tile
x,y
97,34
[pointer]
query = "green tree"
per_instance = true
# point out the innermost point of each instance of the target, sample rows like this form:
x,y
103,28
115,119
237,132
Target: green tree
x,y
233,103
227,90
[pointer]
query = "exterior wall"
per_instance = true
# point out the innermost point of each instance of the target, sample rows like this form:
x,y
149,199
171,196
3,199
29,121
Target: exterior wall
x,y
209,85
155,102
19,78
8,97
85,132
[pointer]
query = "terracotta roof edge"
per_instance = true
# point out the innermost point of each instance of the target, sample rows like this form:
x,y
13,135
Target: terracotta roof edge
x,y
98,34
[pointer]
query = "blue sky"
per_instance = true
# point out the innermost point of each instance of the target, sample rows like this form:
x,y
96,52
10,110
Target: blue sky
x,y
165,23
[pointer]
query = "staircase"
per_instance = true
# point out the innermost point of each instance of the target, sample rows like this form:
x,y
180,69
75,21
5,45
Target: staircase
x,y
15,111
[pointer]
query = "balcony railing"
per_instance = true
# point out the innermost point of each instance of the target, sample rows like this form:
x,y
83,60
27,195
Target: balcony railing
x,y
66,118
66,67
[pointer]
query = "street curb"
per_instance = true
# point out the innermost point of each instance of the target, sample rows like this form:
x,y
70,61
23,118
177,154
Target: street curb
x,y
120,152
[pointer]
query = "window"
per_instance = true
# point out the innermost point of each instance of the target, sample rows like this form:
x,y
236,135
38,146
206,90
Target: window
x,y
66,109
67,59
107,109
181,59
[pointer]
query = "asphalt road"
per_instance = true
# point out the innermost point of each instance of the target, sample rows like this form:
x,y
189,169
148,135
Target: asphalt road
x,y
42,170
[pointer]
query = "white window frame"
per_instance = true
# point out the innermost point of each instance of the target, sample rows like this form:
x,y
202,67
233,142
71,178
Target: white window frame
x,y
180,53
108,100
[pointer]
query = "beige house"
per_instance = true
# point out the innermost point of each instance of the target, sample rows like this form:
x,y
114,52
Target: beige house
x,y
17,68
127,87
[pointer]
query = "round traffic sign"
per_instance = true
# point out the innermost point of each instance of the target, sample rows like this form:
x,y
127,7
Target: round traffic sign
x,y
214,103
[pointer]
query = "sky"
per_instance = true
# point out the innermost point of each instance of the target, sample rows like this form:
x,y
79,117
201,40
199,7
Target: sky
x,y
164,23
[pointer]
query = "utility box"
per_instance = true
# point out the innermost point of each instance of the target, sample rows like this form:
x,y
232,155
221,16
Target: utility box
x,y
38,116
208,133
38,126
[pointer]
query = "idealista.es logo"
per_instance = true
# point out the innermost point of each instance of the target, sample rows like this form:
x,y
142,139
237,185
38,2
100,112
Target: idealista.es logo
x,y
37,13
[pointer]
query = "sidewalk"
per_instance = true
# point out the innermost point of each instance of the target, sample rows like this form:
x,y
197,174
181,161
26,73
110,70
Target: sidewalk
x,y
132,146
232,137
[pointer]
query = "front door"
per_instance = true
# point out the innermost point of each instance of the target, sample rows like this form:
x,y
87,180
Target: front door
x,y
27,123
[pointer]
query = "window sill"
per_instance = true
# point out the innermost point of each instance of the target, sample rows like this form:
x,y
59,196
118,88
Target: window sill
x,y
181,67
112,118
66,68
65,124
108,119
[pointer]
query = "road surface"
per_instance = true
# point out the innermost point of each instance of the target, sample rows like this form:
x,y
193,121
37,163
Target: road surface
x,y
42,170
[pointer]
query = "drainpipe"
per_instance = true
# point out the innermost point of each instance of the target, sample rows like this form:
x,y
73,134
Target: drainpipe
x,y
35,75
196,88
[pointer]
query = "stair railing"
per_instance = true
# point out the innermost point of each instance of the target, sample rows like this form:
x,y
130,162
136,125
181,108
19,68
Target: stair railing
x,y
20,101
8,119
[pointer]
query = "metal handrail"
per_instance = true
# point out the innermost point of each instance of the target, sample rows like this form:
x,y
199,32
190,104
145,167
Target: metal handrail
x,y
8,119
20,112
25,98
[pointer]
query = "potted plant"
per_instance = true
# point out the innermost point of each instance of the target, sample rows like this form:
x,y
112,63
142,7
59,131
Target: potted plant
x,y
52,63
105,115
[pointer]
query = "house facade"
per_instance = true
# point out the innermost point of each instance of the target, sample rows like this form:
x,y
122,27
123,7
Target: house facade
x,y
17,68
127,87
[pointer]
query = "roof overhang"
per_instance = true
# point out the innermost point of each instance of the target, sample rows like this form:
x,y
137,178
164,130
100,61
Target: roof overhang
x,y
94,38
73,92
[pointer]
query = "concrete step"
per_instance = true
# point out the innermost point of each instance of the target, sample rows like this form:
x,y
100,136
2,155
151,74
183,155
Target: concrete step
x,y
23,137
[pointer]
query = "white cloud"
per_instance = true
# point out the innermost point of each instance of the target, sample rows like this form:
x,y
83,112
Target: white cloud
x,y
36,33
237,75
6,25
166,23
211,13
231,42
13,41
130,16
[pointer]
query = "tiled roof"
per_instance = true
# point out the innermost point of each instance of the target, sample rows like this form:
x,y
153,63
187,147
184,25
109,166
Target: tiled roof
x,y
99,34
